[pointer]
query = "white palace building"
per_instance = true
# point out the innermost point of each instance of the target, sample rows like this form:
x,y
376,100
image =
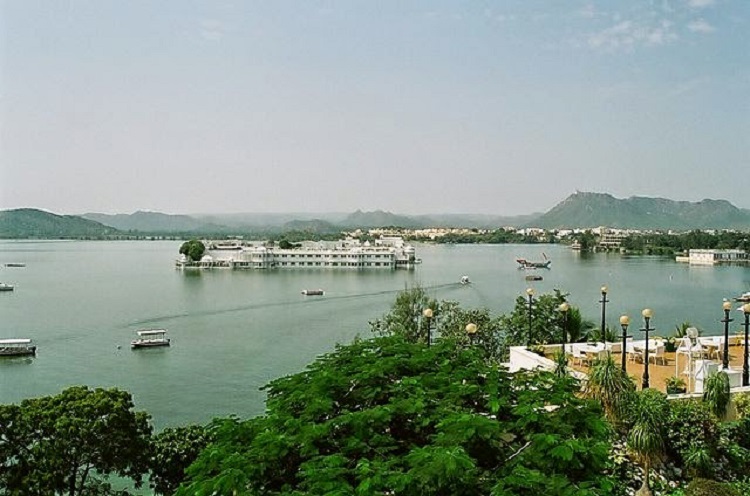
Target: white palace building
x,y
385,253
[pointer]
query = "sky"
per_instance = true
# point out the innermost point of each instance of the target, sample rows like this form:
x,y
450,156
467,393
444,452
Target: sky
x,y
506,107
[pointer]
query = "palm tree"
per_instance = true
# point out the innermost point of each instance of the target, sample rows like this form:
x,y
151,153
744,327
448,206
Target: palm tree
x,y
611,386
579,329
646,437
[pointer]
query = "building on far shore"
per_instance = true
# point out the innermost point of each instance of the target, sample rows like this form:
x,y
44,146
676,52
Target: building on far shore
x,y
388,252
714,257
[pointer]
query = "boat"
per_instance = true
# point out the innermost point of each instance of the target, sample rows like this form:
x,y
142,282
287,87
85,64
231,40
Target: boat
x,y
313,292
6,287
743,298
465,280
528,264
15,264
16,347
534,278
149,338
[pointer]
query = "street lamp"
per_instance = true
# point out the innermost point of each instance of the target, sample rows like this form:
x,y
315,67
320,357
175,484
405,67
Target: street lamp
x,y
647,314
471,331
604,302
427,313
624,323
745,369
530,293
564,307
727,306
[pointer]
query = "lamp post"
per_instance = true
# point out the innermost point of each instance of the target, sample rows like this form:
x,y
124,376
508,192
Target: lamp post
x,y
745,368
530,293
427,313
624,323
604,302
727,306
564,307
471,331
647,314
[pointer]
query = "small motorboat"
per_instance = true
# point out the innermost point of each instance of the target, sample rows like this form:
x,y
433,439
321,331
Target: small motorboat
x,y
743,298
465,280
149,338
15,264
313,292
534,278
6,287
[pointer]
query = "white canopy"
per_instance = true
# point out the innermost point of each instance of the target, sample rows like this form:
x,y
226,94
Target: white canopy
x,y
152,332
14,341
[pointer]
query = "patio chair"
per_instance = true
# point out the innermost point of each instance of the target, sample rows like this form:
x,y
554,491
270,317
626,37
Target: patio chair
x,y
658,355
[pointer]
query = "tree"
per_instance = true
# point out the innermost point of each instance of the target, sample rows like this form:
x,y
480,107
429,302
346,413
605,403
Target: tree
x,y
386,416
172,451
608,384
717,394
489,336
55,444
405,318
194,249
649,411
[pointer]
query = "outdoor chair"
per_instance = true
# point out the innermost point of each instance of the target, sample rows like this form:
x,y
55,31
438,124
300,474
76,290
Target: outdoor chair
x,y
658,355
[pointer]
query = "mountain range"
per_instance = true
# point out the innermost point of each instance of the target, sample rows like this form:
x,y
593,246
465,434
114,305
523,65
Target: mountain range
x,y
579,210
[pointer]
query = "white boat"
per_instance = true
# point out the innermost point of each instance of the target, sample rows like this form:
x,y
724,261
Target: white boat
x,y
148,338
16,347
6,287
743,298
313,292
465,280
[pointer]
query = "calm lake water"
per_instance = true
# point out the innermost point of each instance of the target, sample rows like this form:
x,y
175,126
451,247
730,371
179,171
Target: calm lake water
x,y
233,331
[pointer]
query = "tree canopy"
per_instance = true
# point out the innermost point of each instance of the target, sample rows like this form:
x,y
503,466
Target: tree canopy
x,y
388,416
194,249
56,444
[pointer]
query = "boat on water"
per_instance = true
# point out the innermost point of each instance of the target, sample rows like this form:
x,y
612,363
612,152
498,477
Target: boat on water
x,y
465,280
529,264
149,338
16,347
313,292
15,264
743,298
6,287
534,278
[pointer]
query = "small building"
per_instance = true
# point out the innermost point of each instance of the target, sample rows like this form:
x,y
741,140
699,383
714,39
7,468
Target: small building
x,y
714,257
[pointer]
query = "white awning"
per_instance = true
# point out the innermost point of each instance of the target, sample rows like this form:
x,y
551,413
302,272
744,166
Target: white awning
x,y
151,332
14,341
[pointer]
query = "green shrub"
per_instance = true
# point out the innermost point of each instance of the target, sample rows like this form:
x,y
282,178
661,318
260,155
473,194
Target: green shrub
x,y
708,487
742,404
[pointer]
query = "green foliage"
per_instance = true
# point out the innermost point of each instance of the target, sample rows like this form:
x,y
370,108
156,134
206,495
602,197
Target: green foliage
x,y
716,393
646,439
172,451
386,416
675,385
742,404
193,249
546,321
406,317
55,444
489,337
608,384
707,487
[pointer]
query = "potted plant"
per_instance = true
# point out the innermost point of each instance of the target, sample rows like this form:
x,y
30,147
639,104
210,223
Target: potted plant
x,y
670,344
676,385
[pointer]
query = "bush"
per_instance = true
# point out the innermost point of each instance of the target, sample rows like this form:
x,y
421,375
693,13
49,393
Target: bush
x,y
742,404
708,487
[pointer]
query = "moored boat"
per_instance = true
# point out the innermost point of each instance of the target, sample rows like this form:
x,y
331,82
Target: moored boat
x,y
743,298
534,278
149,338
15,264
16,347
528,264
6,287
313,292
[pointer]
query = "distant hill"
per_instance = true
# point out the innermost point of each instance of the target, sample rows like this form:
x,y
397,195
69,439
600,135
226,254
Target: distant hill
x,y
33,223
378,218
582,210
315,226
154,222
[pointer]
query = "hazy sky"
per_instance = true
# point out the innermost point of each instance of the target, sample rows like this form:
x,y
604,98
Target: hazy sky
x,y
414,107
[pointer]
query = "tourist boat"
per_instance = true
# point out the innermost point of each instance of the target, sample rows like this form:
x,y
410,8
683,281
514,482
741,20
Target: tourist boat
x,y
534,278
148,338
465,280
16,347
15,264
6,287
743,298
528,264
313,292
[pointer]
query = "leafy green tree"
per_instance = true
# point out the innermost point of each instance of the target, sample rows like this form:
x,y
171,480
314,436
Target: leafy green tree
x,y
194,249
608,384
648,414
55,444
172,451
716,393
406,317
386,416
489,336
546,321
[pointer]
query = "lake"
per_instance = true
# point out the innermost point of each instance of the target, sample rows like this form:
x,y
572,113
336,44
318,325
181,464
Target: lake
x,y
233,331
